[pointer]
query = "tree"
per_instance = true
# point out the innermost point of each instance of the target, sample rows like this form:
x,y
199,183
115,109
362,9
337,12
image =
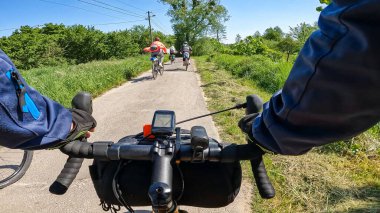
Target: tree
x,y
257,34
303,31
193,18
289,46
249,46
274,34
83,44
238,38
326,2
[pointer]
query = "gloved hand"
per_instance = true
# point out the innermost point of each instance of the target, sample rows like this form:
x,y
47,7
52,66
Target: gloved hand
x,y
245,124
83,122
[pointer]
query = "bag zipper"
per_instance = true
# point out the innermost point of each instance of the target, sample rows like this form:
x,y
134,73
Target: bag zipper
x,y
25,103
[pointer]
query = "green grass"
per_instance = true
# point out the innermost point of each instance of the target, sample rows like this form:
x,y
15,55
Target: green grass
x,y
62,83
265,73
323,180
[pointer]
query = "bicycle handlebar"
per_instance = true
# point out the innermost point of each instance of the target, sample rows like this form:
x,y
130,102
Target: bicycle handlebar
x,y
73,164
266,190
216,152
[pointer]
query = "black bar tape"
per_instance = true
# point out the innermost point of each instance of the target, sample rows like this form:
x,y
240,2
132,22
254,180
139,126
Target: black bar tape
x,y
67,175
78,149
263,183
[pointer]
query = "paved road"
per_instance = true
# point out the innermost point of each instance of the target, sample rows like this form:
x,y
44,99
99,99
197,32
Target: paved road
x,y
119,112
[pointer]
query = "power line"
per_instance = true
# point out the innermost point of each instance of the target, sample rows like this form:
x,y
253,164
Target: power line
x,y
122,22
92,11
96,5
8,29
130,5
163,30
158,22
118,8
38,25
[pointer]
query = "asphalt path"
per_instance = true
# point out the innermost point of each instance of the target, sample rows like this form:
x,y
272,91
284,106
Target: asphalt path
x,y
119,112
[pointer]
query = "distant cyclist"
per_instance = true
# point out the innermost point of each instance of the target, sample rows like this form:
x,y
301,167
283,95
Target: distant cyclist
x,y
172,51
186,49
157,49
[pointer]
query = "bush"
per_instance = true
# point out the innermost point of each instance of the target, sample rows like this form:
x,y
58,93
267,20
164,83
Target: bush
x,y
55,44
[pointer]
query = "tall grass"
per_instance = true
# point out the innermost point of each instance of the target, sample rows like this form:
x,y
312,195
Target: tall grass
x,y
63,82
267,74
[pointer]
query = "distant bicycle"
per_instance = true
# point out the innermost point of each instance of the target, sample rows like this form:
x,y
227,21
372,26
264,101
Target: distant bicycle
x,y
156,67
172,58
186,57
13,165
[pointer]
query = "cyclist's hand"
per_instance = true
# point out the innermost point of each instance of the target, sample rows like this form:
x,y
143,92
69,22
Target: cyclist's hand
x,y
83,124
245,124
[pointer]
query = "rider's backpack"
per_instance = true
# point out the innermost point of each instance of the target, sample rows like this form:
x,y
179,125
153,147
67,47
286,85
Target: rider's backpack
x,y
185,48
154,48
209,185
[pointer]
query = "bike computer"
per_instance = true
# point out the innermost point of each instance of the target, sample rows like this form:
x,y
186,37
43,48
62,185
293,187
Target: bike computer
x,y
163,122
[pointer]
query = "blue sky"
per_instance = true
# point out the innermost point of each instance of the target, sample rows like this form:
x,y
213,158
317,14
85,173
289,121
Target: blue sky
x,y
246,16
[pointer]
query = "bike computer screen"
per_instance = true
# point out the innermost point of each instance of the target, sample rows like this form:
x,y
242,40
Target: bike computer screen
x,y
163,122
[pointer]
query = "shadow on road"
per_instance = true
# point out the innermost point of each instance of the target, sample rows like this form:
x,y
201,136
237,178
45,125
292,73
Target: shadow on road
x,y
144,78
176,70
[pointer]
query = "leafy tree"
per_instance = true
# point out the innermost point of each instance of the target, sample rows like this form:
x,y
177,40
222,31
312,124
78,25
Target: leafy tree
x,y
120,44
303,31
83,44
249,46
238,38
274,34
208,46
29,47
193,18
289,46
326,2
140,35
257,34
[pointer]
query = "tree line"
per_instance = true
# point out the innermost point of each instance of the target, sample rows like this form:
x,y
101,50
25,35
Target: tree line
x,y
201,23
57,44
273,43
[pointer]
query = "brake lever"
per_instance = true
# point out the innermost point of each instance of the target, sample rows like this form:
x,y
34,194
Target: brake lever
x,y
72,166
263,183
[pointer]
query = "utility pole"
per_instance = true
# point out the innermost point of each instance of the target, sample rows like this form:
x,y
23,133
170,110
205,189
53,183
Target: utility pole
x,y
150,26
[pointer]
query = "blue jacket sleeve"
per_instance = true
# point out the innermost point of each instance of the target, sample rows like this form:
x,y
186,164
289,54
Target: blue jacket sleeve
x,y
333,90
28,120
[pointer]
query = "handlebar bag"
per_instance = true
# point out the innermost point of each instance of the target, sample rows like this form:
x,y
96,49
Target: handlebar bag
x,y
209,184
